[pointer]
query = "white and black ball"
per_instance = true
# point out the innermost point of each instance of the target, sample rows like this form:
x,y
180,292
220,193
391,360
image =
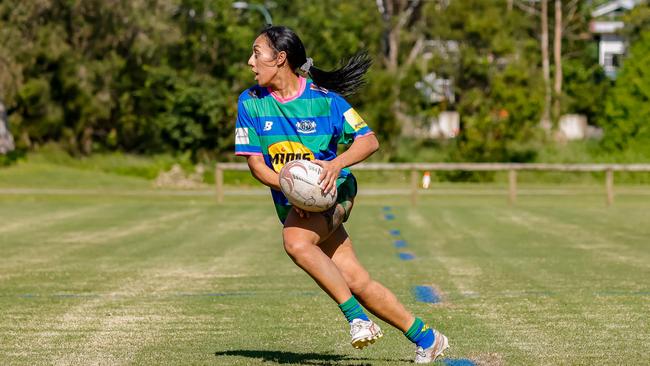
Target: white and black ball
x,y
299,183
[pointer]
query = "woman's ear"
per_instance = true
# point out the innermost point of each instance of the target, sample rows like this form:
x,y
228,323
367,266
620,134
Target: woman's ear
x,y
281,58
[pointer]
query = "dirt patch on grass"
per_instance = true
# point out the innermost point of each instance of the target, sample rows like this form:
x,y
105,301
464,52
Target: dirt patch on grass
x,y
488,359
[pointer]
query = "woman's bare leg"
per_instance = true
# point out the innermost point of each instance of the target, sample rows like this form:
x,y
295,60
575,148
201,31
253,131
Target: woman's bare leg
x,y
371,294
301,237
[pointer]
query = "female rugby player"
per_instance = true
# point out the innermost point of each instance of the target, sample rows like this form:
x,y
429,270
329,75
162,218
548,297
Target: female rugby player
x,y
297,111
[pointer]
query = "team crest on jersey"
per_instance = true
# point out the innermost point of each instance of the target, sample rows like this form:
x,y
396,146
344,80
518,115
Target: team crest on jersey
x,y
306,126
286,151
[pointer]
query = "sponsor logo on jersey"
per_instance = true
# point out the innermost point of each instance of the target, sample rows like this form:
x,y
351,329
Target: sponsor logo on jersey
x,y
354,119
268,125
286,151
241,136
306,126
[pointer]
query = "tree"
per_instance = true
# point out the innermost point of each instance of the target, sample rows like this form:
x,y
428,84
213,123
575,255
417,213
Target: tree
x,y
402,40
496,76
568,25
627,110
546,116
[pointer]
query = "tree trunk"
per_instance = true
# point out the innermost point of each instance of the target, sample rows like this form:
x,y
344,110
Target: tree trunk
x,y
6,139
87,141
557,53
546,120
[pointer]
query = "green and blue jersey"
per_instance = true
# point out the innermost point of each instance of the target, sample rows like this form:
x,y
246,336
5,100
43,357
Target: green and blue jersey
x,y
308,126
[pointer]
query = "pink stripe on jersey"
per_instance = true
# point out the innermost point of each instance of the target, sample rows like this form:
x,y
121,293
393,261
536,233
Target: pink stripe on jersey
x,y
365,134
301,89
245,153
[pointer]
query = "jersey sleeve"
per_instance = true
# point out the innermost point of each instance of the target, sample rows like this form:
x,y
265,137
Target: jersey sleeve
x,y
247,141
353,126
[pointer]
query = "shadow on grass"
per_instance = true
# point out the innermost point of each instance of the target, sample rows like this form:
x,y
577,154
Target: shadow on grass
x,y
284,357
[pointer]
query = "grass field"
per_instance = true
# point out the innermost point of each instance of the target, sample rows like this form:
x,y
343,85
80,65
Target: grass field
x,y
118,279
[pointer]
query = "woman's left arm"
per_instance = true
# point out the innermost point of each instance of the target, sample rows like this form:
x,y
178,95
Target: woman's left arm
x,y
360,150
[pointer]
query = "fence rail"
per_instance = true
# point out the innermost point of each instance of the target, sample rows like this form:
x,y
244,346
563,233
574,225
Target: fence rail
x,y
511,168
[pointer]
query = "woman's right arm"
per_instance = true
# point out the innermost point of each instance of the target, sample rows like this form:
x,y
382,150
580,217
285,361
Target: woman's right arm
x,y
262,172
268,177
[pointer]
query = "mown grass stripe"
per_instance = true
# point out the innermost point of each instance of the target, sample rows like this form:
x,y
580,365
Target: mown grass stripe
x,y
400,244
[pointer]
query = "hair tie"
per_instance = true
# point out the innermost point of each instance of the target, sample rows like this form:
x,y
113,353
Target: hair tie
x,y
307,65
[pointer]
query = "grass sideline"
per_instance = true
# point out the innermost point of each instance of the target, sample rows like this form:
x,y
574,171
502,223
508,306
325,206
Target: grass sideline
x,y
181,280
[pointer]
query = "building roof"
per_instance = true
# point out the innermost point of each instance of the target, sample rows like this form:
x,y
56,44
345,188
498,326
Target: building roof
x,y
614,6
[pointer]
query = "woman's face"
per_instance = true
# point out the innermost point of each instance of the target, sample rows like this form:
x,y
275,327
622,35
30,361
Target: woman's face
x,y
263,61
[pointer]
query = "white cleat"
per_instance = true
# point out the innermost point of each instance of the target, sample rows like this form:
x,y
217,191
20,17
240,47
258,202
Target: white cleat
x,y
427,355
364,333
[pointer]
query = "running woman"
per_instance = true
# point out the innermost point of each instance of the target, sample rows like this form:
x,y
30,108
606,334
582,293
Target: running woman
x,y
297,111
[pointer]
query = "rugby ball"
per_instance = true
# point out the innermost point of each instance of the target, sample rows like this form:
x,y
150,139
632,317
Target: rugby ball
x,y
299,183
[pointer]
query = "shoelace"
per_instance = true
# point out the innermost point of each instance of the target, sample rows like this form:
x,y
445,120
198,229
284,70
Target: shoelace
x,y
420,352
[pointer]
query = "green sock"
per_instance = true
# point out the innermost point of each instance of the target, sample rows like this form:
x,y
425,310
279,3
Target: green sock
x,y
353,310
420,334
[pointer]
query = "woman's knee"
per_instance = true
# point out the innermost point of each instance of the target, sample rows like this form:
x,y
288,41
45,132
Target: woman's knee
x,y
295,248
358,282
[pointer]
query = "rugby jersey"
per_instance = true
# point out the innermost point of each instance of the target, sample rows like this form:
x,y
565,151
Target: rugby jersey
x,y
307,126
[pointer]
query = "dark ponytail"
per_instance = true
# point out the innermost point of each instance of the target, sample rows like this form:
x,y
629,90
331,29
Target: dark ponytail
x,y
345,80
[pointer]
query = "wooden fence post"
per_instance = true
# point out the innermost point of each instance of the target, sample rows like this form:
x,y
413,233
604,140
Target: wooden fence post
x,y
414,187
609,184
512,186
218,178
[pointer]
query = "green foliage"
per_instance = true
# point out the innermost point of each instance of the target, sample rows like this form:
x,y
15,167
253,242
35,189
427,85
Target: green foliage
x,y
143,76
627,110
376,101
585,89
637,21
162,76
11,157
498,83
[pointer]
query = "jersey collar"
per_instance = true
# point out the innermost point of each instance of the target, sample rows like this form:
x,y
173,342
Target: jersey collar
x,y
301,89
